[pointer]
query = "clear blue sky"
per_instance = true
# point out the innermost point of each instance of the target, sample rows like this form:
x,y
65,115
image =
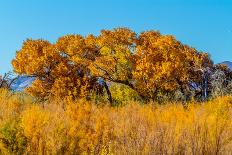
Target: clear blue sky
x,y
203,24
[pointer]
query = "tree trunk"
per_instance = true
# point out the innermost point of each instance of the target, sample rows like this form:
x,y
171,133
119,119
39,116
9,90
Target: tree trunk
x,y
108,93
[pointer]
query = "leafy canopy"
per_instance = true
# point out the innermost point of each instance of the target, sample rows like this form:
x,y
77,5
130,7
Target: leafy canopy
x,y
76,66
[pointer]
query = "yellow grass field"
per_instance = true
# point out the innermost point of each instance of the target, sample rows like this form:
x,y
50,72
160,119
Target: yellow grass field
x,y
68,127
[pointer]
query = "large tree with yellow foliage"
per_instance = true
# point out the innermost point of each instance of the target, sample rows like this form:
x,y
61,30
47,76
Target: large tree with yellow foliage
x,y
148,63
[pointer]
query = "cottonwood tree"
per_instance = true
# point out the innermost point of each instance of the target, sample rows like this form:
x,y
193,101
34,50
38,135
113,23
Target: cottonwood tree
x,y
148,63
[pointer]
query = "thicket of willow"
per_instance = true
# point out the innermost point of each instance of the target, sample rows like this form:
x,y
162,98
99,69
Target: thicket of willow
x,y
80,127
148,66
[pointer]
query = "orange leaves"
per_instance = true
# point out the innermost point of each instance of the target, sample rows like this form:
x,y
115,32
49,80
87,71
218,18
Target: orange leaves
x,y
162,63
71,44
119,36
28,59
60,69
148,63
39,89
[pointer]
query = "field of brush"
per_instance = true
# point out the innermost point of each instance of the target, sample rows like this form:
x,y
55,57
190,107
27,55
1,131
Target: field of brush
x,y
81,127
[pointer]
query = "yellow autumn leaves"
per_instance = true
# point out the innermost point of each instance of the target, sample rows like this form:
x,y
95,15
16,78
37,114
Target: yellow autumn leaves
x,y
76,75
149,63
80,127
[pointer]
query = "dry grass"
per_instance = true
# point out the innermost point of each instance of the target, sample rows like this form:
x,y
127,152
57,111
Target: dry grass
x,y
83,128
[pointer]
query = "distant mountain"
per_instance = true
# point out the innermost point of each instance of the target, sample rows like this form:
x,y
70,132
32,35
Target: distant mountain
x,y
21,83
228,63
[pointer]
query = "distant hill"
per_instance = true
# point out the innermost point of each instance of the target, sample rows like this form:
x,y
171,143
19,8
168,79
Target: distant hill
x,y
22,83
228,63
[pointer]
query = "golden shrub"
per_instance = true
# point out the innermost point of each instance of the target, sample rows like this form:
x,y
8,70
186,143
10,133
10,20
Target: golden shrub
x,y
81,127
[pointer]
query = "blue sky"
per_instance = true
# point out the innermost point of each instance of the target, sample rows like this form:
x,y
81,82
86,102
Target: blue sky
x,y
203,24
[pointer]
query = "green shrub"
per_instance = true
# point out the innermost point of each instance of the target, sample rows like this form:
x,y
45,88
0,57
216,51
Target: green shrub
x,y
12,138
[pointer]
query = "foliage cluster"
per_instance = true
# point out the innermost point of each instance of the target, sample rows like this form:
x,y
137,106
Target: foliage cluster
x,y
154,66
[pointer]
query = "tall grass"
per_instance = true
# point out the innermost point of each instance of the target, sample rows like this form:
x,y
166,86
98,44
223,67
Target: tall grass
x,y
68,127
